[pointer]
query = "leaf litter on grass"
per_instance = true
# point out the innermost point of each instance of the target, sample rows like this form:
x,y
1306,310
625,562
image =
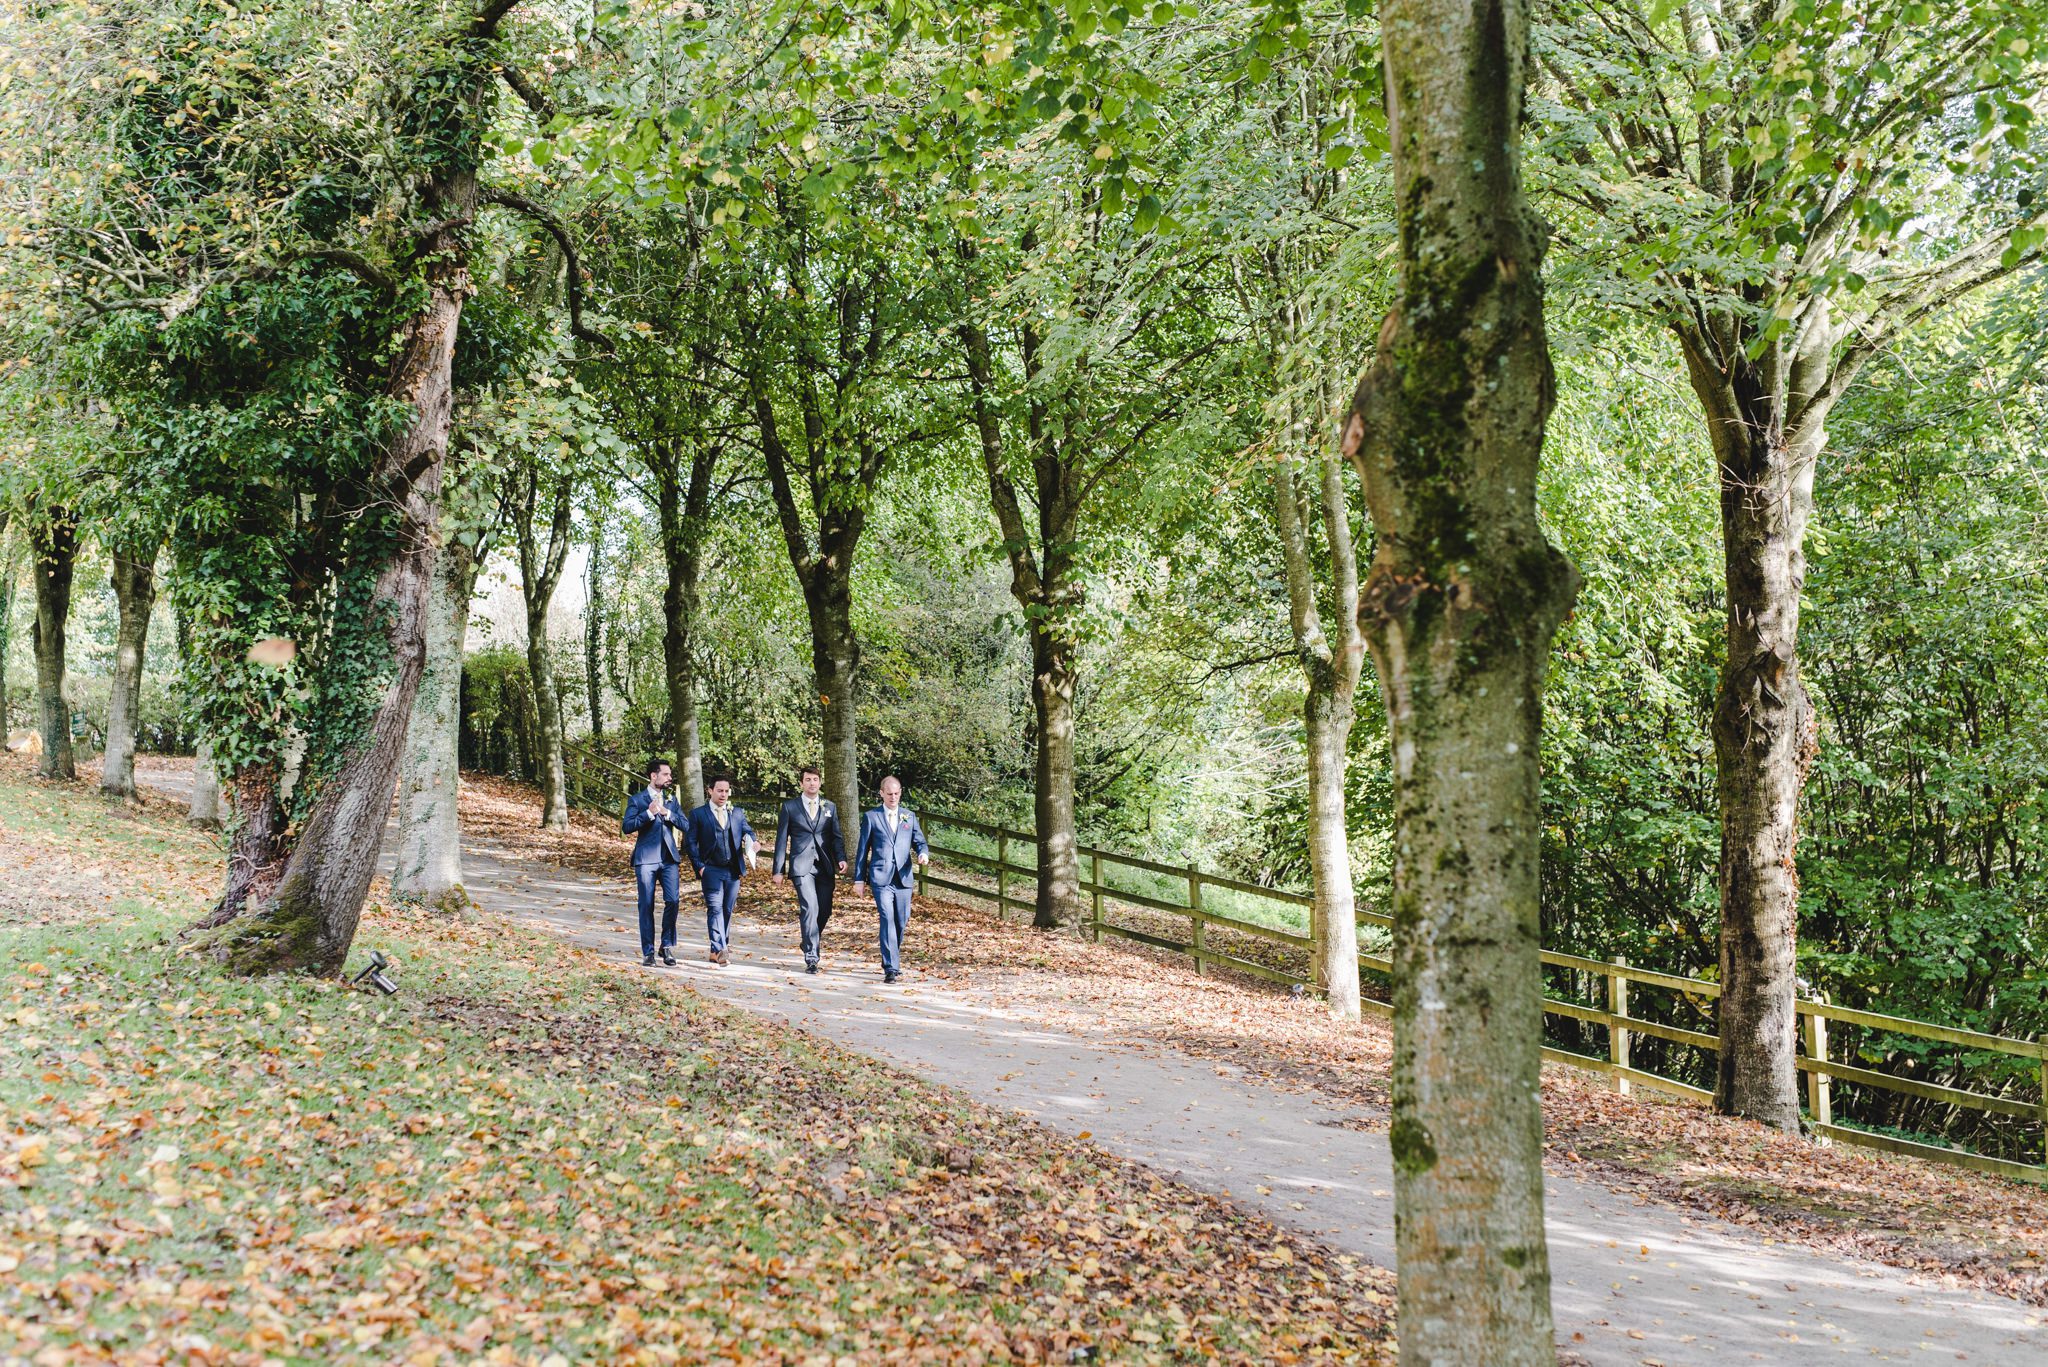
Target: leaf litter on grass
x,y
525,1155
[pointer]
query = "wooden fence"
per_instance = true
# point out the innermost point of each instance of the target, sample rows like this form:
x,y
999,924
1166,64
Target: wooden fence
x,y
1122,888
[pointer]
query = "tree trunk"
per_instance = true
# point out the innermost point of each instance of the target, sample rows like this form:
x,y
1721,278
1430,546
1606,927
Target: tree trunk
x,y
1459,609
1331,671
53,543
835,662
255,845
1327,728
135,595
6,634
593,634
429,858
547,709
309,921
204,809
540,570
1764,734
682,511
1053,677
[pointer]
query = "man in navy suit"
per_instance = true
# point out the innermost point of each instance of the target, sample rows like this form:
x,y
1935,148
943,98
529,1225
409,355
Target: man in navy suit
x,y
657,858
721,846
810,849
892,845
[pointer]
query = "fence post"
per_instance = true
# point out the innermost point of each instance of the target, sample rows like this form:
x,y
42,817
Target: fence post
x,y
1618,1035
1820,1095
1095,861
1002,873
2042,1078
1195,906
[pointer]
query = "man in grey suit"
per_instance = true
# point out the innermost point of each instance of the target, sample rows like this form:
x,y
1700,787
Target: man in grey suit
x,y
811,850
892,845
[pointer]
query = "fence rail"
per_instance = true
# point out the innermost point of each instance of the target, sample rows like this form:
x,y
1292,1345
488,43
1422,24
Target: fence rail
x,y
599,783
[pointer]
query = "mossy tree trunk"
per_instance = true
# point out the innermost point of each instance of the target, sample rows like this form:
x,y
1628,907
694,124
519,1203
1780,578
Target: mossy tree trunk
x,y
428,865
1459,608
1766,420
134,579
53,546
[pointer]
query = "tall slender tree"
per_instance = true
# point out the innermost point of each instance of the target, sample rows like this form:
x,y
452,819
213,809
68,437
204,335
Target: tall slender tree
x,y
1788,188
543,551
1463,596
53,555
134,579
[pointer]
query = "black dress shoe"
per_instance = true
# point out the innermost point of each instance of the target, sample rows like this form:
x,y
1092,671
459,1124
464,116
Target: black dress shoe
x,y
668,958
890,977
647,962
811,966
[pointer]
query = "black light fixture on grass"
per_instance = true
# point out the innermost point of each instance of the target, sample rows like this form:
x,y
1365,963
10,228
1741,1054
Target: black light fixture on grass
x,y
375,973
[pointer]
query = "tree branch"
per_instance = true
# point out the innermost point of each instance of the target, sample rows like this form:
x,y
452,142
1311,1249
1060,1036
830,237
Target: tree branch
x,y
549,220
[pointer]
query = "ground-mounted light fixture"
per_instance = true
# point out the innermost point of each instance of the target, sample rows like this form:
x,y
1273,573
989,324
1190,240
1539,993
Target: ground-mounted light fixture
x,y
379,979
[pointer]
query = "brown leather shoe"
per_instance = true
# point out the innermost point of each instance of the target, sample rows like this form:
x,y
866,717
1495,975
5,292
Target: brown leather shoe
x,y
720,956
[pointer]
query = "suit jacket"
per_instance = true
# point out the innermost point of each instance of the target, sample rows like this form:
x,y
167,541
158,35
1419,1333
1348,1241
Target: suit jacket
x,y
712,847
658,842
801,844
886,859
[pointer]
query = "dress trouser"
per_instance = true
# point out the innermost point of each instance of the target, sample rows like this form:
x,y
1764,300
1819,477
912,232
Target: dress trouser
x,y
814,907
892,907
721,893
669,876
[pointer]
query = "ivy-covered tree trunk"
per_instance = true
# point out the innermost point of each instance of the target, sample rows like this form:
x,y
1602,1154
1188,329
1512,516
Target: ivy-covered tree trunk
x,y
309,920
1763,723
682,511
428,865
134,576
1463,597
53,547
256,851
1331,670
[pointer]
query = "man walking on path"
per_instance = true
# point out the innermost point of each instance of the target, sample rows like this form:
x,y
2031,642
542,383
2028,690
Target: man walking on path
x,y
657,858
811,850
721,846
892,845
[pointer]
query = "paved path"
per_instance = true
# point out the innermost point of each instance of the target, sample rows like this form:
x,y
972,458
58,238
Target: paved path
x,y
1641,1283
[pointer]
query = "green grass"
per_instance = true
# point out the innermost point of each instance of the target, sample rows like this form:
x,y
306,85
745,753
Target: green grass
x,y
527,1154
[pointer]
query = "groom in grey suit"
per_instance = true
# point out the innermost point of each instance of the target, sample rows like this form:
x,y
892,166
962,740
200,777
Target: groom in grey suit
x,y
810,848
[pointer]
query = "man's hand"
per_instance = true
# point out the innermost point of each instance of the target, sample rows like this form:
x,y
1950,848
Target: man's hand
x,y
924,859
859,887
842,866
775,878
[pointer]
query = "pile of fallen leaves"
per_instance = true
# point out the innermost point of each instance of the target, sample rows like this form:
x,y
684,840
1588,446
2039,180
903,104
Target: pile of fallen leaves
x,y
527,1157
